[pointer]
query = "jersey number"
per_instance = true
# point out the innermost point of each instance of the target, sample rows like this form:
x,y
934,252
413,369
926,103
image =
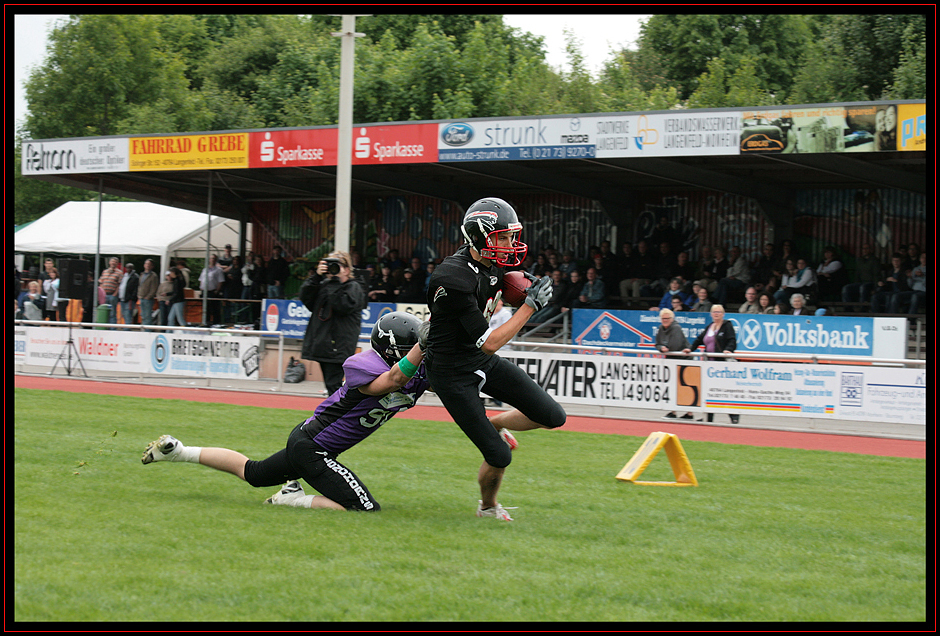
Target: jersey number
x,y
376,417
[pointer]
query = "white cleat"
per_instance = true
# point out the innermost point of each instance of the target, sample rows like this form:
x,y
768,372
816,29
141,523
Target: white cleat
x,y
509,438
496,511
287,495
166,448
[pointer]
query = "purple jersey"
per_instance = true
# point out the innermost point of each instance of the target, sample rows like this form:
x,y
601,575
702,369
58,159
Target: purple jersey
x,y
349,416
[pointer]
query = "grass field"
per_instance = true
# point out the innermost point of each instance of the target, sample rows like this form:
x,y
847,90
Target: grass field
x,y
776,535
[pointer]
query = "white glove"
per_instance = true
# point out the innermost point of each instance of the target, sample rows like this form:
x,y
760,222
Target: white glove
x,y
539,294
423,335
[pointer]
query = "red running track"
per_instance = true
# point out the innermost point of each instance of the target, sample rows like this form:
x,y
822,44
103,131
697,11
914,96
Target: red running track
x,y
699,433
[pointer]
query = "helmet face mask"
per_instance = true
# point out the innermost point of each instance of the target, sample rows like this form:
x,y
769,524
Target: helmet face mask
x,y
485,222
394,334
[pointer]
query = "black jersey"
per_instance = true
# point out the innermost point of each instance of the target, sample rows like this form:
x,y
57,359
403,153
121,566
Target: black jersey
x,y
462,295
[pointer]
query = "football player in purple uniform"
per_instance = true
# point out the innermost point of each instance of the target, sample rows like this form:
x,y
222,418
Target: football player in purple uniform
x,y
463,292
380,382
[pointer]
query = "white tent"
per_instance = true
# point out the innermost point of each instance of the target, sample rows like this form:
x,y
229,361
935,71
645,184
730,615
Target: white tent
x,y
128,228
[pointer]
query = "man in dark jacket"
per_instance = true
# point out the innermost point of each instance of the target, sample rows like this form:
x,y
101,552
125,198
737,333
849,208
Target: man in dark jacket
x,y
335,300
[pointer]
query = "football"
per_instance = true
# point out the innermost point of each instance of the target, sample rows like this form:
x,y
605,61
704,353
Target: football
x,y
514,285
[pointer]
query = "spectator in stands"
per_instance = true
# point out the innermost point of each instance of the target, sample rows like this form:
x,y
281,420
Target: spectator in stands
x,y
663,272
540,267
567,264
592,293
553,308
911,300
225,260
278,271
702,301
799,307
737,277
868,271
766,303
894,281
763,269
781,308
259,285
830,275
573,292
750,304
382,287
411,290
394,262
685,270
714,272
428,269
420,274
800,277
604,273
664,232
675,290
787,253
624,268
551,262
678,305
642,271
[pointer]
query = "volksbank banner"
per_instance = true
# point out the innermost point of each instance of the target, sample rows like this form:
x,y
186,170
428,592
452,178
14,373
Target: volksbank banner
x,y
824,335
796,390
291,317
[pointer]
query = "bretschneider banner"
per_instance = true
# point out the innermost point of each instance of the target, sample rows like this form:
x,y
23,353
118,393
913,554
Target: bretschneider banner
x,y
186,353
796,390
825,335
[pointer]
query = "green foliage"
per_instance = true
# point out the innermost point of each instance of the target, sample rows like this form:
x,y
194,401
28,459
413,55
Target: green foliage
x,y
770,534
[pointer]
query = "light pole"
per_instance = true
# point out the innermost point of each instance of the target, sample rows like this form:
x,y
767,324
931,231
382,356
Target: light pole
x,y
344,144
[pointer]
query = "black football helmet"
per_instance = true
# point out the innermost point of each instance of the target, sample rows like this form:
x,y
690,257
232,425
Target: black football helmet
x,y
394,334
484,221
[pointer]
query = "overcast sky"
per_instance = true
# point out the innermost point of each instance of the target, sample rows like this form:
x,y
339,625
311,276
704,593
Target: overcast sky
x,y
597,35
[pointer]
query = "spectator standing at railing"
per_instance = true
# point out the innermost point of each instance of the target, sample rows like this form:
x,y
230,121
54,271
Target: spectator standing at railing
x,y
147,291
669,337
50,289
278,272
719,336
110,280
127,293
177,301
211,280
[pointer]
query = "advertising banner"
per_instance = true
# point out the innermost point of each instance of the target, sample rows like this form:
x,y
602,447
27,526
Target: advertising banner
x,y
665,134
514,139
788,389
912,127
187,353
75,156
291,317
823,335
835,128
213,151
408,143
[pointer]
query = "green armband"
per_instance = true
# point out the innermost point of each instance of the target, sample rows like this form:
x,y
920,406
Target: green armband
x,y
407,368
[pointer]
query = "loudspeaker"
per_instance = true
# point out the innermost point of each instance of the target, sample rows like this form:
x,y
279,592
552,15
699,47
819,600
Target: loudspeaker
x,y
73,278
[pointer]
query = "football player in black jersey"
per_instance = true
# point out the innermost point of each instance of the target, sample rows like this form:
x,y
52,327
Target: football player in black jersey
x,y
460,345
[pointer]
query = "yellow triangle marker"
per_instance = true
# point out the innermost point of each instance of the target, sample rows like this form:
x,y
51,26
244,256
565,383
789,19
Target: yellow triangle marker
x,y
677,459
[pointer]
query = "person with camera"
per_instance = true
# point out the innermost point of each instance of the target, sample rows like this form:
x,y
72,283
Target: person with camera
x,y
335,299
